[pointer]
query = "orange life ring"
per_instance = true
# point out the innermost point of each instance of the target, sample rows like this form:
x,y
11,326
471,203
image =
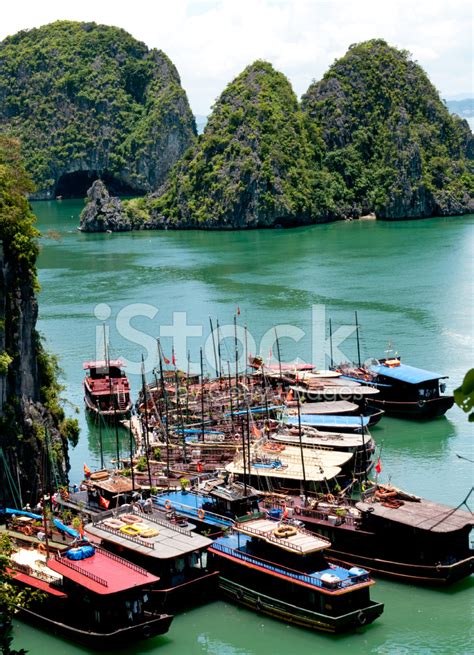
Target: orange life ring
x,y
28,530
330,498
168,504
41,548
201,513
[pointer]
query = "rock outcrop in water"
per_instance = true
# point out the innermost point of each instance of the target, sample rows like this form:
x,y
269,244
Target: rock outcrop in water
x,y
103,213
390,144
31,418
90,101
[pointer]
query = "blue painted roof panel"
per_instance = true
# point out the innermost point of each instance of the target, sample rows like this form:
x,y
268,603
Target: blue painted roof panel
x,y
405,373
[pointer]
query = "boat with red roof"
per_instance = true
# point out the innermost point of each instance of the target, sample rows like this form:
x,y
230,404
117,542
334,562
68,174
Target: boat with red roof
x,y
107,389
88,595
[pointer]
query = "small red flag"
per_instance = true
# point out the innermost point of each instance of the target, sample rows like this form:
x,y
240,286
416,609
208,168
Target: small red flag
x,y
378,466
103,502
238,310
87,471
166,360
173,358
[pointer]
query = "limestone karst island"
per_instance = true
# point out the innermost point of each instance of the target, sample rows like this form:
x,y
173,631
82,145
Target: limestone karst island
x,y
244,423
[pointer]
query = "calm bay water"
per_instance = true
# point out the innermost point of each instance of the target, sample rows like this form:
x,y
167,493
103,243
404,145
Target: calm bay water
x,y
411,284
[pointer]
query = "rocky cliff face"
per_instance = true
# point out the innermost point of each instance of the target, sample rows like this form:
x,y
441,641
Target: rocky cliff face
x,y
88,100
30,418
390,144
249,168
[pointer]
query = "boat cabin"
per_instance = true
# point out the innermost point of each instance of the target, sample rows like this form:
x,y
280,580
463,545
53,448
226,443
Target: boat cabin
x,y
174,553
413,383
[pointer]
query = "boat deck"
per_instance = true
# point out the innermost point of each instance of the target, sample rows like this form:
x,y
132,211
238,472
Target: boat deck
x,y
334,440
301,541
166,541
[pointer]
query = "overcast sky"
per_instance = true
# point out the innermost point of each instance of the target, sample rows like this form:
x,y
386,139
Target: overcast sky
x,y
211,41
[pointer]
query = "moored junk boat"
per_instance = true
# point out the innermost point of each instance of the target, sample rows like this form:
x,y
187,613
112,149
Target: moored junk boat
x,y
405,391
391,533
175,553
107,389
280,570
89,596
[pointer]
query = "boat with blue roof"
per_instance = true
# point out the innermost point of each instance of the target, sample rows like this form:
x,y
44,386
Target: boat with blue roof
x,y
281,570
404,391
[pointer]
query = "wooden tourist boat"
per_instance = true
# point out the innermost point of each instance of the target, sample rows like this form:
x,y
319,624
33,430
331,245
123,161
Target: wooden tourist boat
x,y
391,533
280,570
404,391
174,553
107,389
89,596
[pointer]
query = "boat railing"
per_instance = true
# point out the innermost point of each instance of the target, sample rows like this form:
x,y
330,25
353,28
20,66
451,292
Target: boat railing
x,y
348,519
124,535
295,575
35,573
88,574
168,524
272,538
193,511
278,540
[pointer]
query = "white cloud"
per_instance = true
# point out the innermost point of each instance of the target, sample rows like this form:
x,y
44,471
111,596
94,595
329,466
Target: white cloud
x,y
211,41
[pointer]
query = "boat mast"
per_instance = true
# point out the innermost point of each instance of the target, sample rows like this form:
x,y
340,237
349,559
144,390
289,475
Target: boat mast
x,y
99,419
236,349
279,353
202,396
44,486
130,435
147,443
214,347
230,396
243,454
300,435
219,347
165,397
364,447
330,343
113,396
358,340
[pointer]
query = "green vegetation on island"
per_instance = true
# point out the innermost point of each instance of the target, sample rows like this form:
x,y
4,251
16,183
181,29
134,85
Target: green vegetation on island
x,y
90,100
390,144
250,166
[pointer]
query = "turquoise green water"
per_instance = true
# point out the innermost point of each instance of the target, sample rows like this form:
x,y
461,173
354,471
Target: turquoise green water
x,y
411,283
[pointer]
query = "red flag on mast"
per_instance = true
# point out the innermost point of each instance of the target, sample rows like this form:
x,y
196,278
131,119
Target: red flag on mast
x,y
238,310
166,360
378,466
